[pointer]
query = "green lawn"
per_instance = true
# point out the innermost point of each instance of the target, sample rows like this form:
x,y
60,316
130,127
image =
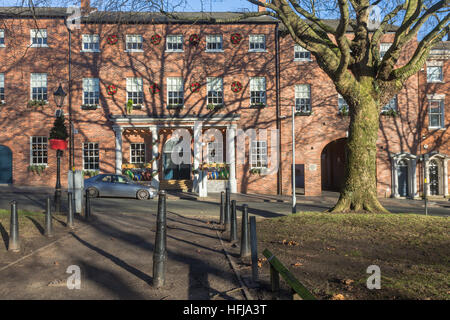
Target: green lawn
x,y
330,253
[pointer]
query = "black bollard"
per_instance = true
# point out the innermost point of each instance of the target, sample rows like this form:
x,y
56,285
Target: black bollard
x,y
48,219
159,254
254,249
245,250
227,208
233,225
14,244
70,211
222,207
87,207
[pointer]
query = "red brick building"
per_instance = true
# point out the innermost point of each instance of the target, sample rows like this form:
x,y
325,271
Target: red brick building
x,y
207,79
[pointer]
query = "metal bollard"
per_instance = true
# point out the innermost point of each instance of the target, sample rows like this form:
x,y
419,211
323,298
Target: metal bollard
x,y
233,226
227,207
87,207
222,207
70,211
160,254
245,250
48,219
254,249
14,243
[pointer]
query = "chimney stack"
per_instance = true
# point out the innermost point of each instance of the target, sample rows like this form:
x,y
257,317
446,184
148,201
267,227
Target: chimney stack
x,y
86,7
261,8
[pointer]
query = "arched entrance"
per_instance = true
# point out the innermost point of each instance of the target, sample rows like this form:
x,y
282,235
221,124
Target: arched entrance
x,y
171,170
333,162
5,165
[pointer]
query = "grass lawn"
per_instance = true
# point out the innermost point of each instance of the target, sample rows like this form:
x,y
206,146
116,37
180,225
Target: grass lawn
x,y
330,253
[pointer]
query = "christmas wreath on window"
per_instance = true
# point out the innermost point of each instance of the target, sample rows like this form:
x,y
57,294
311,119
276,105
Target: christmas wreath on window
x,y
112,39
195,86
112,89
155,39
154,88
194,39
236,38
236,86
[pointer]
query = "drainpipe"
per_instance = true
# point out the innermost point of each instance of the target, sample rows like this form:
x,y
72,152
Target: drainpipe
x,y
277,88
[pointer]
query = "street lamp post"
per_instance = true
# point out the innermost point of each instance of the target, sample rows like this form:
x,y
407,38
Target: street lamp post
x,y
59,96
294,199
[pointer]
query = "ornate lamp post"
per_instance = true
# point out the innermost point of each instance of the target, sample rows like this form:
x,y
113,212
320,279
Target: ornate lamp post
x,y
59,96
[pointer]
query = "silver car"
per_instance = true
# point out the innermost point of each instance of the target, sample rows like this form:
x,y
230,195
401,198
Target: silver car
x,y
116,185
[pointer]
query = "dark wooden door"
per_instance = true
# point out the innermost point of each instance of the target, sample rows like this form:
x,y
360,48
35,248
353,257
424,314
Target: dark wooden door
x,y
5,165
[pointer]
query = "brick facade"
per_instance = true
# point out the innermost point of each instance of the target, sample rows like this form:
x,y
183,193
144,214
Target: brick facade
x,y
113,64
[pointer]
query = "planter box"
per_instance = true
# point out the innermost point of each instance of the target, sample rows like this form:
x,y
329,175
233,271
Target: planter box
x,y
216,186
89,107
58,144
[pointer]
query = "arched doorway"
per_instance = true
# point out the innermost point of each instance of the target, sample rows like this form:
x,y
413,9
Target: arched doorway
x,y
333,163
5,165
171,170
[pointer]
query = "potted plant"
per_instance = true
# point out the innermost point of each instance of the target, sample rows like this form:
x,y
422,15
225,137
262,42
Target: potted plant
x,y
37,169
58,134
89,107
255,171
389,113
129,106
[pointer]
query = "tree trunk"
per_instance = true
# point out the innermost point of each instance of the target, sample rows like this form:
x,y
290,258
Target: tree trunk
x,y
359,193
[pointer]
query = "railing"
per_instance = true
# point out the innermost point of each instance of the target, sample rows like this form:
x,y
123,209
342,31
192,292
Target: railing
x,y
277,268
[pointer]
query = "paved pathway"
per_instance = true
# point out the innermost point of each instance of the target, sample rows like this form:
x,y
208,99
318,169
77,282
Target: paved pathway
x,y
115,255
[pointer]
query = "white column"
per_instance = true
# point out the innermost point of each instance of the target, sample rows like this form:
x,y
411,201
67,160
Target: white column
x,y
395,179
414,177
445,161
155,154
118,132
427,178
231,156
198,157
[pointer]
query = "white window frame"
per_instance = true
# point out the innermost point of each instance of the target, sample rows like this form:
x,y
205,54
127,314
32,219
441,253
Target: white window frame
x,y
44,144
215,41
392,105
384,47
39,34
92,147
258,154
134,40
178,41
134,157
175,85
214,88
2,88
300,50
258,41
258,90
430,74
93,40
2,38
91,86
135,90
39,80
303,98
441,113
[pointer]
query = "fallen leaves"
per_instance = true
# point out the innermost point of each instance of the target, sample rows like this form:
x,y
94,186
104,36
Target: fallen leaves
x,y
338,296
260,262
297,264
290,243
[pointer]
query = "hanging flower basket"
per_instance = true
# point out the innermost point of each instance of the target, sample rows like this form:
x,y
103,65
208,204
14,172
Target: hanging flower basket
x,y
235,38
58,144
155,39
112,89
236,86
154,88
194,39
113,39
195,86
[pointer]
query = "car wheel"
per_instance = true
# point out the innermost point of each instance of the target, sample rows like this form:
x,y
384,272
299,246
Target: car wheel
x,y
142,194
92,192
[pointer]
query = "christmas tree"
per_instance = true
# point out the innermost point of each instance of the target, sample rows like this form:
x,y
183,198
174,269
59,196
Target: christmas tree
x,y
59,130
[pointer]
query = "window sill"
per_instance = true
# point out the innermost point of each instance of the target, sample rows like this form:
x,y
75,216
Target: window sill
x,y
302,60
437,128
435,81
39,46
90,51
214,51
174,51
2,46
136,50
257,50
